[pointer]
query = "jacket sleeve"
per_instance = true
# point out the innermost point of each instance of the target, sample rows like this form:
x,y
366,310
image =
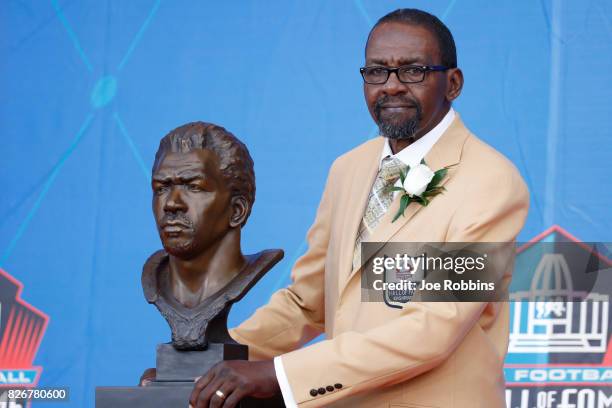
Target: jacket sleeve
x,y
296,314
424,334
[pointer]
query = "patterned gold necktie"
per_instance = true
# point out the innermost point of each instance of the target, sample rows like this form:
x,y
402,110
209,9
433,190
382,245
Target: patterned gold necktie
x,y
379,200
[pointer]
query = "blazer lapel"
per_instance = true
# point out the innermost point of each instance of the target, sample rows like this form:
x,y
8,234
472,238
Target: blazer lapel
x,y
446,152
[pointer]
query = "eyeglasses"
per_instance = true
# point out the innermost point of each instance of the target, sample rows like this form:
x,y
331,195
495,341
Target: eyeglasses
x,y
408,74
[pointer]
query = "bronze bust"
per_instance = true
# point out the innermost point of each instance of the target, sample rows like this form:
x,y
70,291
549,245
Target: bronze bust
x,y
203,191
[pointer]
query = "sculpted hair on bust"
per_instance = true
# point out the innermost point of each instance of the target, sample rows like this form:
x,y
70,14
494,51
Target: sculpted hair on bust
x,y
236,163
420,18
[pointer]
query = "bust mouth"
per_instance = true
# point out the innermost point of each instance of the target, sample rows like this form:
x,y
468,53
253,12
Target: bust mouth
x,y
180,222
174,228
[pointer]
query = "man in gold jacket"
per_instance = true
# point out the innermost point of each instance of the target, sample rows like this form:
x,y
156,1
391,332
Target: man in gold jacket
x,y
437,354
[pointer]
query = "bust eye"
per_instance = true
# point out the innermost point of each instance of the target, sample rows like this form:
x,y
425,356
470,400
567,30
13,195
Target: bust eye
x,y
160,189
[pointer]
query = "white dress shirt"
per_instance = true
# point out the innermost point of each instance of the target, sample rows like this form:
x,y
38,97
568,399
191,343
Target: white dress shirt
x,y
411,155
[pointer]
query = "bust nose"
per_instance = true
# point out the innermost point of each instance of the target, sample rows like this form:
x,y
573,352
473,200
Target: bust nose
x,y
175,201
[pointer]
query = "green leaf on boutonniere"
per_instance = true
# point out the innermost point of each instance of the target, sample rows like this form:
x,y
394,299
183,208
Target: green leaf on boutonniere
x,y
390,189
438,176
405,200
403,174
434,191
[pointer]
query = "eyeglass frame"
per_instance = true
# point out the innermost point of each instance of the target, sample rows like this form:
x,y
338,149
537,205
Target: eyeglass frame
x,y
389,71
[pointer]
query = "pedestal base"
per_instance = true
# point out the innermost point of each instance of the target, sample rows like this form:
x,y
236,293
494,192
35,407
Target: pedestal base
x,y
164,397
141,397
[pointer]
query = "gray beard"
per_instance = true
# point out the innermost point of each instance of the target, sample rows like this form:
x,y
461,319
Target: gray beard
x,y
405,131
402,131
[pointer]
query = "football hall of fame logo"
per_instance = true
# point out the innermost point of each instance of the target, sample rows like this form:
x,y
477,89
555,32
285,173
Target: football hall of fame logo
x,y
559,352
22,328
401,292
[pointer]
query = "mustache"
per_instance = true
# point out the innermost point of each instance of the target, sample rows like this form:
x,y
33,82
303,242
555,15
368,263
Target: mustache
x,y
396,100
176,219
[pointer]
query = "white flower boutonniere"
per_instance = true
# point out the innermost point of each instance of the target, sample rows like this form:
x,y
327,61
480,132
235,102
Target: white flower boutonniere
x,y
419,184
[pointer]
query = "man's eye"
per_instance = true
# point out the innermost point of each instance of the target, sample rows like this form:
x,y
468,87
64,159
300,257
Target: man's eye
x,y
377,71
412,71
194,187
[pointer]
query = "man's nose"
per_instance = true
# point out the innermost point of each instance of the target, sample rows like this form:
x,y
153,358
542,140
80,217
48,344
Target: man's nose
x,y
393,86
175,201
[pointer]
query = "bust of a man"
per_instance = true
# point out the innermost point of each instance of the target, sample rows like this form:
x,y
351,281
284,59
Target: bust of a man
x,y
203,191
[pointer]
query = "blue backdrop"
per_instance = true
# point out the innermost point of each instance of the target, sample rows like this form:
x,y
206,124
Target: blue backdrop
x,y
89,87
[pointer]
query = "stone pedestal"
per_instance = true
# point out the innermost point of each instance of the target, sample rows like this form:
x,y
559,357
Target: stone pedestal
x,y
175,374
174,365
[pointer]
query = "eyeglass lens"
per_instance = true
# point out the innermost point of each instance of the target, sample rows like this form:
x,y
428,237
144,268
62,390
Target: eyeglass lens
x,y
380,75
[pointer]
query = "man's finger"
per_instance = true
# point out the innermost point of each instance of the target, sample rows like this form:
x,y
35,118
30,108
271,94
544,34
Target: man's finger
x,y
220,396
207,396
200,384
234,398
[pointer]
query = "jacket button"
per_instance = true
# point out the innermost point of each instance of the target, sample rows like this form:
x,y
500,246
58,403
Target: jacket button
x,y
321,390
313,392
329,388
338,386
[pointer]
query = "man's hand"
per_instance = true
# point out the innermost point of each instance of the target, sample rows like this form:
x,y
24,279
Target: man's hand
x,y
235,379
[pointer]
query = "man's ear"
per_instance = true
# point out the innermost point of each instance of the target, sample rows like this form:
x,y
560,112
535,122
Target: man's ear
x,y
455,84
240,211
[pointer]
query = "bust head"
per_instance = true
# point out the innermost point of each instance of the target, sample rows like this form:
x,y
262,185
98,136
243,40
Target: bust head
x,y
203,188
203,191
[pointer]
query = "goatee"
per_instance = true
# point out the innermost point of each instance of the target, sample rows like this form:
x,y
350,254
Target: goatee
x,y
404,130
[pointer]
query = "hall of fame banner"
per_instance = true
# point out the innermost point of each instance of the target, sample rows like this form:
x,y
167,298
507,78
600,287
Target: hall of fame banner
x,y
22,328
560,353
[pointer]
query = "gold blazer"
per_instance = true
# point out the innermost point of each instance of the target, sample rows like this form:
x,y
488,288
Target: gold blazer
x,y
446,355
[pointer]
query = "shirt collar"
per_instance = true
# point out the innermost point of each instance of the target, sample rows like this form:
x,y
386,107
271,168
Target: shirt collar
x,y
414,153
